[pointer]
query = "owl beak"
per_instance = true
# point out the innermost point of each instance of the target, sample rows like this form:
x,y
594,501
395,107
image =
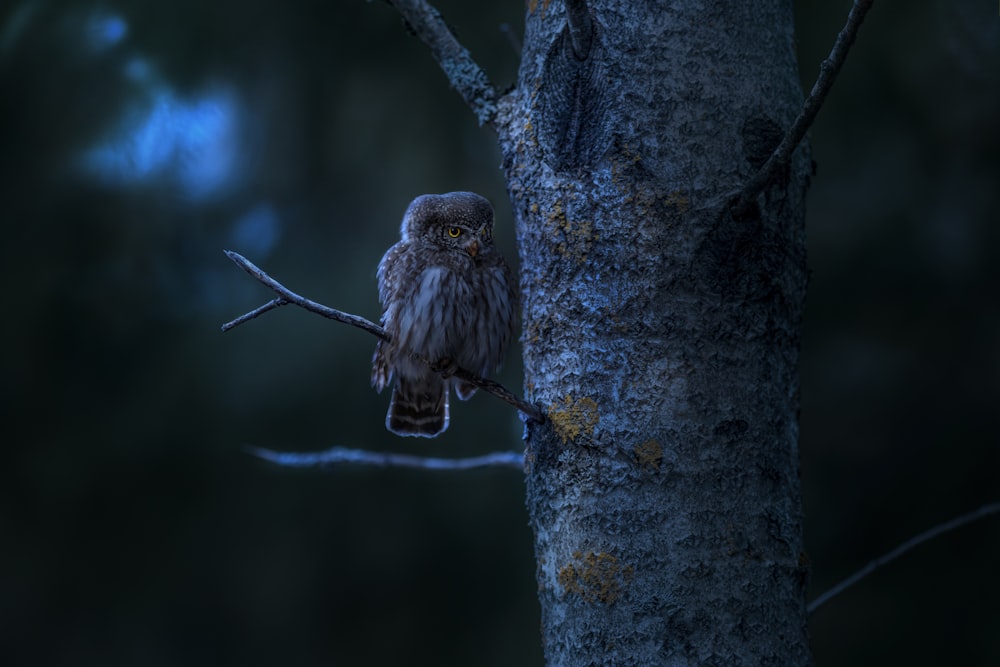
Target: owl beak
x,y
472,248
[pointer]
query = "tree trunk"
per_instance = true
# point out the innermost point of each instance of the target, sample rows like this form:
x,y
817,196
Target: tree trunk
x,y
660,334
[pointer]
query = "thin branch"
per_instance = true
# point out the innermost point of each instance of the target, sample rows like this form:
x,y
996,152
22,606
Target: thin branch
x,y
256,312
581,28
454,59
340,455
940,529
287,296
828,71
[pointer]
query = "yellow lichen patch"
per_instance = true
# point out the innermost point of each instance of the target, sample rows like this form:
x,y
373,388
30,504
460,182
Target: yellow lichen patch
x,y
533,5
557,216
574,417
527,140
649,454
621,163
535,331
529,134
596,577
677,200
530,334
577,235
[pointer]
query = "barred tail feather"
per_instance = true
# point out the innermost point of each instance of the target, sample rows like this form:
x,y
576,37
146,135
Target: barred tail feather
x,y
381,370
418,408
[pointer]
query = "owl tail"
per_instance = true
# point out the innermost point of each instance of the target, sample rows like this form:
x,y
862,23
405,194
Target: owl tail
x,y
418,407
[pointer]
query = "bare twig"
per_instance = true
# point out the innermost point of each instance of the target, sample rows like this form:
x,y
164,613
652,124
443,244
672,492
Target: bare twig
x,y
828,71
581,29
341,455
940,529
454,59
256,312
286,296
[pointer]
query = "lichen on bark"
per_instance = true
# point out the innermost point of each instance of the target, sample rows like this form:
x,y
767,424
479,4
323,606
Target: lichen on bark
x,y
660,334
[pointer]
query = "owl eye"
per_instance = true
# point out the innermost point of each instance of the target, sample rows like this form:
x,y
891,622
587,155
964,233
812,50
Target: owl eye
x,y
454,232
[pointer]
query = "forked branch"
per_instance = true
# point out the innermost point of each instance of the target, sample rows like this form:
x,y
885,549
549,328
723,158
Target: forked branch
x,y
286,296
828,71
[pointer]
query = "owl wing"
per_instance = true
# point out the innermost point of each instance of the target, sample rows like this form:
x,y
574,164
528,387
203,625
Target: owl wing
x,y
494,324
507,304
390,284
393,263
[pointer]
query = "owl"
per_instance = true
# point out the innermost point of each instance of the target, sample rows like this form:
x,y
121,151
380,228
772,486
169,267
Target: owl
x,y
447,296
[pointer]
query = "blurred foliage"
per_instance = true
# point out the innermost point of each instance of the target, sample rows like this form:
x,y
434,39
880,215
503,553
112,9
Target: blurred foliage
x,y
901,352
139,139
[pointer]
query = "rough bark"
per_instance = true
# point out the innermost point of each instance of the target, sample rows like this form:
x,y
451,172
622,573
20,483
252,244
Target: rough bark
x,y
660,333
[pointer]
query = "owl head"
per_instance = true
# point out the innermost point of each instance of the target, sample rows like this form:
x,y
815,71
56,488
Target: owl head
x,y
460,221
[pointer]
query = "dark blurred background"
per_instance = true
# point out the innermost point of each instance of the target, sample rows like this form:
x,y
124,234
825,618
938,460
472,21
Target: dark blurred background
x,y
140,139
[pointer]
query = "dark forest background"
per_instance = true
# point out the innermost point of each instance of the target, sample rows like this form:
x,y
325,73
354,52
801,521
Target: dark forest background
x,y
137,140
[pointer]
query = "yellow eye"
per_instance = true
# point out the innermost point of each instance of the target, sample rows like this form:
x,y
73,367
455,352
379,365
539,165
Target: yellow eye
x,y
454,232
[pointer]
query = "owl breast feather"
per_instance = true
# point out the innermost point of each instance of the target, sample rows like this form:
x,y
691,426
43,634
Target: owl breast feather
x,y
463,316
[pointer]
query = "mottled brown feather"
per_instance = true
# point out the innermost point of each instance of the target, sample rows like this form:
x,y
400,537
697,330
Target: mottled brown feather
x,y
446,293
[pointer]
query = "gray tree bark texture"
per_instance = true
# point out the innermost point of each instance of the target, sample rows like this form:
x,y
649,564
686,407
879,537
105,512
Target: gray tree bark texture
x,y
661,334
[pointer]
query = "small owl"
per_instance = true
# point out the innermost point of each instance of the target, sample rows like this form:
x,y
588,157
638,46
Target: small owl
x,y
447,296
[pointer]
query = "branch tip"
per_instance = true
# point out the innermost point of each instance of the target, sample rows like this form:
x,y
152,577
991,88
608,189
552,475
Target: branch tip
x,y
828,71
940,529
256,312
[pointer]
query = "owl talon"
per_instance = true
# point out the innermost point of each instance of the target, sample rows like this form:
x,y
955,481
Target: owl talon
x,y
445,366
